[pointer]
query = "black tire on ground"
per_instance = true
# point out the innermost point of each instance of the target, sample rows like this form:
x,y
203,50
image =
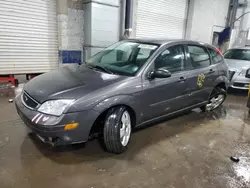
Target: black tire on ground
x,y
216,91
111,132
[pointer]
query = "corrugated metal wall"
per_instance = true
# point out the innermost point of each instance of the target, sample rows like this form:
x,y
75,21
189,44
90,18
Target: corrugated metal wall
x,y
28,36
161,18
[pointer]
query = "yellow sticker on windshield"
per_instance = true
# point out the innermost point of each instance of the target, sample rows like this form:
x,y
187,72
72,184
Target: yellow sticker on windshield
x,y
200,80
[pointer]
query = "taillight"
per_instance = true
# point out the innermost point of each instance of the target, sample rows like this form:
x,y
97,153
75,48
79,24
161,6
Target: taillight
x,y
218,52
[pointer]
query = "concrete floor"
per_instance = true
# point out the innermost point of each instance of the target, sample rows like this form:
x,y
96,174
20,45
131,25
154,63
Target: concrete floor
x,y
191,150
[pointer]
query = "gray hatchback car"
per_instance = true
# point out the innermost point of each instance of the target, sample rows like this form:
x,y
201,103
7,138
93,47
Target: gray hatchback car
x,y
127,85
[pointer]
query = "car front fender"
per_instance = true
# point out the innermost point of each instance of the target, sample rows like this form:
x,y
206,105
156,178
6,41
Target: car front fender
x,y
127,100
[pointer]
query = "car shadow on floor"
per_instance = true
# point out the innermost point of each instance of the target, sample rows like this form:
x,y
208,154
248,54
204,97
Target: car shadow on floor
x,y
142,138
237,92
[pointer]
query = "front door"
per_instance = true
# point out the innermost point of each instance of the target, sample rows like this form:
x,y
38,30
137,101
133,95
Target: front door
x,y
165,95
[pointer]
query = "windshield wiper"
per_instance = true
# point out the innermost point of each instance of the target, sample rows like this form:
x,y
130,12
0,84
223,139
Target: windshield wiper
x,y
100,68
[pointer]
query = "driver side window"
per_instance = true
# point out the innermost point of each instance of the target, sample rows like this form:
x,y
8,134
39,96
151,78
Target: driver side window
x,y
171,59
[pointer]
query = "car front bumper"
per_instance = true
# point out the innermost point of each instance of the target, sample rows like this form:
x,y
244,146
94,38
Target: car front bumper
x,y
50,129
238,81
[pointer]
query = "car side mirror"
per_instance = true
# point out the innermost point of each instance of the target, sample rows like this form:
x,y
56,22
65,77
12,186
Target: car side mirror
x,y
159,73
247,73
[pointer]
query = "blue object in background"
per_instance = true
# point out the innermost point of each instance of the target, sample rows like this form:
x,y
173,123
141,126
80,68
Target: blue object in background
x,y
67,56
224,35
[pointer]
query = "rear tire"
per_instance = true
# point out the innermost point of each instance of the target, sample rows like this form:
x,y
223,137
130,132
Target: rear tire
x,y
217,97
117,129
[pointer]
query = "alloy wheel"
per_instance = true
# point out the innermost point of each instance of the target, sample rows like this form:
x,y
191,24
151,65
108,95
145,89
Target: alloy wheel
x,y
125,130
215,101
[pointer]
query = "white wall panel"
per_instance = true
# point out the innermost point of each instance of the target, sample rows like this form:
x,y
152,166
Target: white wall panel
x,y
206,16
101,19
28,36
104,24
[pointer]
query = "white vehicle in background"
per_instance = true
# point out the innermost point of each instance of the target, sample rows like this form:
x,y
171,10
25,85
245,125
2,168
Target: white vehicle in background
x,y
238,60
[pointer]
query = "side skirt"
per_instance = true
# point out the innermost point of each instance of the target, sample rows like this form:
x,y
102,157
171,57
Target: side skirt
x,y
171,114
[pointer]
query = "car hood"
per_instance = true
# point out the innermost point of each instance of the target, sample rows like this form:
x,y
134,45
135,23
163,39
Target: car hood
x,y
69,83
238,64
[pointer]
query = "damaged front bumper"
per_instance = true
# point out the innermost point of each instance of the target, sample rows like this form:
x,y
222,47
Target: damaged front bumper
x,y
51,129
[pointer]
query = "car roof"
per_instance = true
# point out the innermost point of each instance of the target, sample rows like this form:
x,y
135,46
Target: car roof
x,y
162,41
241,48
167,41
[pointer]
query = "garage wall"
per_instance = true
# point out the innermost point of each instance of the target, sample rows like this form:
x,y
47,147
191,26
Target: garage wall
x,y
204,17
70,18
28,36
241,27
101,24
86,26
246,18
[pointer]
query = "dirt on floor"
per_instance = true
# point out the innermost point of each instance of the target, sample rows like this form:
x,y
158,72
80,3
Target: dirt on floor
x,y
192,150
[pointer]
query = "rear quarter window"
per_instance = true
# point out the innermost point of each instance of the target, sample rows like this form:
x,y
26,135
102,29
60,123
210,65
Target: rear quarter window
x,y
215,56
199,56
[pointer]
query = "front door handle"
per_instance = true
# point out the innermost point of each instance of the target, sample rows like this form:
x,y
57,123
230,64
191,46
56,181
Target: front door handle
x,y
182,79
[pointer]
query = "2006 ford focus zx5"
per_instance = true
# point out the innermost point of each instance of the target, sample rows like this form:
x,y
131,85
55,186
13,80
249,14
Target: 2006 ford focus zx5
x,y
128,84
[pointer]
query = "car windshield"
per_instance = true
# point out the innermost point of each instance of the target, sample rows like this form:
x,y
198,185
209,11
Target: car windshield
x,y
241,54
122,58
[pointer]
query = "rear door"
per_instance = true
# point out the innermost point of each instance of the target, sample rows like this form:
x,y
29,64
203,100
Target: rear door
x,y
202,73
218,61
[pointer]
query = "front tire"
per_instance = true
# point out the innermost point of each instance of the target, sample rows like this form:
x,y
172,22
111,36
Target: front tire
x,y
117,129
217,97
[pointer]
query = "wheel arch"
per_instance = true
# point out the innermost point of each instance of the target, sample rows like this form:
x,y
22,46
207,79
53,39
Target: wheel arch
x,y
222,85
222,82
104,106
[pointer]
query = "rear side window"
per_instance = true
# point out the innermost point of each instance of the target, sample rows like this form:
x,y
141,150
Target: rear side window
x,y
216,57
199,57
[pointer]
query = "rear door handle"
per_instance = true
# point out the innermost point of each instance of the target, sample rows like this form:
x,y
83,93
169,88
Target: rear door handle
x,y
182,79
211,71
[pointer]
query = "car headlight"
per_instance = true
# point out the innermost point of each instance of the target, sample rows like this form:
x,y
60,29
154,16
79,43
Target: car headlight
x,y
243,72
55,107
